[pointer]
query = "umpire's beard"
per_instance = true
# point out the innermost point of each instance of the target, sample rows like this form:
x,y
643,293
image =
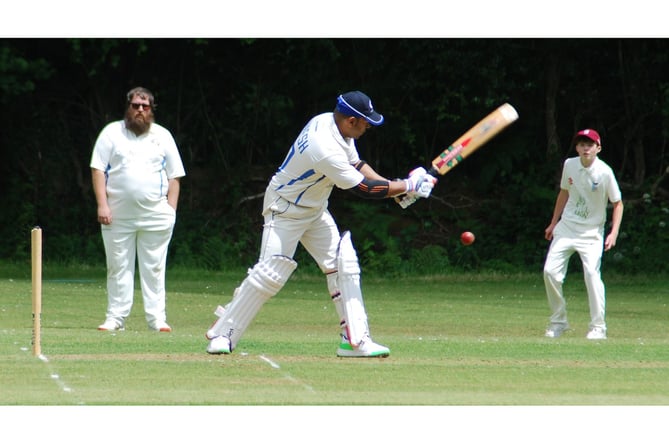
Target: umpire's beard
x,y
137,122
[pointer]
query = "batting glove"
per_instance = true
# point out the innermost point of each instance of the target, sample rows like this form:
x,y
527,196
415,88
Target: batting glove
x,y
420,183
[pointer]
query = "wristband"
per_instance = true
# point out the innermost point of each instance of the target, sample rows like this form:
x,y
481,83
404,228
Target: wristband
x,y
360,164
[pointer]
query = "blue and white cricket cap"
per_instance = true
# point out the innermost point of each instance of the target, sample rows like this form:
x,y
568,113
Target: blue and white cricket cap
x,y
358,104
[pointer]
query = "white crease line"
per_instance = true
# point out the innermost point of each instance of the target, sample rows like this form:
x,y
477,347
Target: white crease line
x,y
54,375
271,363
286,375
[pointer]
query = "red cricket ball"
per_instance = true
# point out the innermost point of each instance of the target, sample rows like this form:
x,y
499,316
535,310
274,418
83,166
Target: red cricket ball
x,y
467,238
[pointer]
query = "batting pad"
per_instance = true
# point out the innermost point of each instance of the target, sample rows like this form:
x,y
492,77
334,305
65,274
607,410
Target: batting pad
x,y
264,281
348,279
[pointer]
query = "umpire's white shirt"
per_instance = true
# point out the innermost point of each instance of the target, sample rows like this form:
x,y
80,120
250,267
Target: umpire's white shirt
x,y
589,189
137,168
319,159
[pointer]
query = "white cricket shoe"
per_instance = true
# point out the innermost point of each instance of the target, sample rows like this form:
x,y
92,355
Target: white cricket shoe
x,y
555,330
160,326
366,348
596,333
219,345
111,325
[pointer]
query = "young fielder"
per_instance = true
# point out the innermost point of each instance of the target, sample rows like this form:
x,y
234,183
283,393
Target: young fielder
x,y
586,187
295,211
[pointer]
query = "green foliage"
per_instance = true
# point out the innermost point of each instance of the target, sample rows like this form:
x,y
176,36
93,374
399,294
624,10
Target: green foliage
x,y
19,75
236,105
430,260
643,238
204,244
17,223
377,247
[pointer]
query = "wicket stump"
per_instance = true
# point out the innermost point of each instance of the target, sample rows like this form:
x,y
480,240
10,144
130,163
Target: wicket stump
x,y
36,257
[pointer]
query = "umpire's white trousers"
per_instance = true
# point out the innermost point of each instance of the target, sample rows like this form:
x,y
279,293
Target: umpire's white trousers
x,y
146,240
589,247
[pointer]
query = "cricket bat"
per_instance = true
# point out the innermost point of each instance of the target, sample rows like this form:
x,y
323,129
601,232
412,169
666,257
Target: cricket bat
x,y
468,143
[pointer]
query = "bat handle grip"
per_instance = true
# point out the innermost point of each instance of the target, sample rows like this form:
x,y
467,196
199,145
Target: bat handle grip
x,y
406,200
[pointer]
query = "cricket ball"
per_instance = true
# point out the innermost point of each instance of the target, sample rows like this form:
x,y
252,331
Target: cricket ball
x,y
467,238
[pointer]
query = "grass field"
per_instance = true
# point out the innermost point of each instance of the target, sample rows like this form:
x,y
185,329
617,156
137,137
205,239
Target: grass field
x,y
456,341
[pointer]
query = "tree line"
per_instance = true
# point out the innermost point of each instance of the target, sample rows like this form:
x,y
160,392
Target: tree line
x,y
234,107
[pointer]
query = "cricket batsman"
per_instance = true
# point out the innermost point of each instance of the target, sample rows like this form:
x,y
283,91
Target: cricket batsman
x,y
295,210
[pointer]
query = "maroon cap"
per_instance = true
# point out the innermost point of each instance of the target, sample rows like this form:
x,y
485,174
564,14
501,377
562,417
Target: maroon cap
x,y
590,134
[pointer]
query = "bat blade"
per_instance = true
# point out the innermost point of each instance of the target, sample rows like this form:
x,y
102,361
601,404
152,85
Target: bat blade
x,y
475,138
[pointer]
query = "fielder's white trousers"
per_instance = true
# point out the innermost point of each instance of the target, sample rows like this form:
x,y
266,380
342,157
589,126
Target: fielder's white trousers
x,y
148,240
589,247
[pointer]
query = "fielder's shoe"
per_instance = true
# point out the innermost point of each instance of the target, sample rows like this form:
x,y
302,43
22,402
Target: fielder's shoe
x,y
111,325
219,345
596,334
160,326
555,330
366,348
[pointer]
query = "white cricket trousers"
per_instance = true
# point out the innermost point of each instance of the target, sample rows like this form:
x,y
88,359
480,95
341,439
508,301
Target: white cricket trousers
x,y
589,247
287,225
146,240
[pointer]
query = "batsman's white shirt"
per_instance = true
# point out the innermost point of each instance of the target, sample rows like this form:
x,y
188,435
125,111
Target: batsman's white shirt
x,y
590,189
319,159
137,168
